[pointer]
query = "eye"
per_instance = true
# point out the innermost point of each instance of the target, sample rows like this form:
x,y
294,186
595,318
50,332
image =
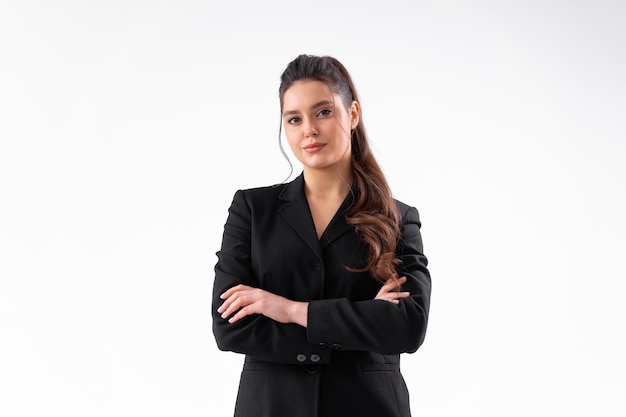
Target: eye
x,y
293,120
324,113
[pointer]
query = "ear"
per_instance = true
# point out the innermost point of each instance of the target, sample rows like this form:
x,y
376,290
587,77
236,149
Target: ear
x,y
355,115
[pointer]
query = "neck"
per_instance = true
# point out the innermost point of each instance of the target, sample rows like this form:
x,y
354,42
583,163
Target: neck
x,y
327,183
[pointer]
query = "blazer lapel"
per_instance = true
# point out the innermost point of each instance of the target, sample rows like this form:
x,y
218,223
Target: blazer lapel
x,y
297,213
337,225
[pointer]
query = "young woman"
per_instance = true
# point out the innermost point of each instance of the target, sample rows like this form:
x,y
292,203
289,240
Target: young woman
x,y
322,282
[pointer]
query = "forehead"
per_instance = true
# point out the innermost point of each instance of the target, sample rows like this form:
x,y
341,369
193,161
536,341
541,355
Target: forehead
x,y
306,93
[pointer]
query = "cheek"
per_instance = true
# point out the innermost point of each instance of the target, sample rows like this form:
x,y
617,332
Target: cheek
x,y
343,127
343,134
291,136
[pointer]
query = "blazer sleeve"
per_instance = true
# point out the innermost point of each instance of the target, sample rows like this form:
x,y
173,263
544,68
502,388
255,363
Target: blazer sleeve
x,y
377,325
254,335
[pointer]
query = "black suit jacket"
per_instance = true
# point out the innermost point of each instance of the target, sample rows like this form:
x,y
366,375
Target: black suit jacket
x,y
346,362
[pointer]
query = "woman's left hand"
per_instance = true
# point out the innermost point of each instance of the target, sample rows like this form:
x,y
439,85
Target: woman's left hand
x,y
390,293
249,300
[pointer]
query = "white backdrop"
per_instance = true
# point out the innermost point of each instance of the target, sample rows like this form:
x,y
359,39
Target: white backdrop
x,y
127,126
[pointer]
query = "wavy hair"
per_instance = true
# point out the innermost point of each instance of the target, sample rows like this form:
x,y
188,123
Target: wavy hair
x,y
374,214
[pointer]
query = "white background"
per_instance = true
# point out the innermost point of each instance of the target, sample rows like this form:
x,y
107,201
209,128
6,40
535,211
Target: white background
x,y
127,126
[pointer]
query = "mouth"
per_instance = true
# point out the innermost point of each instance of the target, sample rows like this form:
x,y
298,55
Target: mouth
x,y
313,147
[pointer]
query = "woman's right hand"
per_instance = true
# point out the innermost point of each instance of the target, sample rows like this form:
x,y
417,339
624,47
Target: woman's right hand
x,y
388,292
241,301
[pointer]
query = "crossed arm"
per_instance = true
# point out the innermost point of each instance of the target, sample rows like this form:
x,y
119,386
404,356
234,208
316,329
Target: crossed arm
x,y
242,300
268,326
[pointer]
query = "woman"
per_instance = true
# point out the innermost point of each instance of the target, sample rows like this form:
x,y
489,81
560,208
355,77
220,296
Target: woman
x,y
322,282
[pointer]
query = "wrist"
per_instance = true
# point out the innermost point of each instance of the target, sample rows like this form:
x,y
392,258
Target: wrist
x,y
299,312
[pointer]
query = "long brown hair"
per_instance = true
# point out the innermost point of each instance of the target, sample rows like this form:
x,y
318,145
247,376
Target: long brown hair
x,y
374,214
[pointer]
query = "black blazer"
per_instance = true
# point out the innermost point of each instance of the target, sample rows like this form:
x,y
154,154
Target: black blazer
x,y
346,362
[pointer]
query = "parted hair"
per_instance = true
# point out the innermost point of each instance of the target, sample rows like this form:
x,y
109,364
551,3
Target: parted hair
x,y
373,214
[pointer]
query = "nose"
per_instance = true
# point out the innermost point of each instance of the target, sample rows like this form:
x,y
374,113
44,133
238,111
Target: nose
x,y
310,129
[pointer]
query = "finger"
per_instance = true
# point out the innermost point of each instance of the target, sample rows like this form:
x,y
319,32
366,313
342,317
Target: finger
x,y
231,295
246,311
392,284
227,303
240,301
398,284
232,290
231,304
228,292
242,298
388,287
395,296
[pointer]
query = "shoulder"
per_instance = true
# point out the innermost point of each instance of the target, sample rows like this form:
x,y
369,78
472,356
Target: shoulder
x,y
262,192
411,238
408,214
257,197
271,193
266,197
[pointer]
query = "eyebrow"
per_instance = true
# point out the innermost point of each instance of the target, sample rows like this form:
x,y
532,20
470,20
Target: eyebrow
x,y
318,104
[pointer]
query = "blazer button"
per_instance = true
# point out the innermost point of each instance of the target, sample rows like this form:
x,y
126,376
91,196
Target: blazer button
x,y
301,357
337,346
312,369
324,345
315,357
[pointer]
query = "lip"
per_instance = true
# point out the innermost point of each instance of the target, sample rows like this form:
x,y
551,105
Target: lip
x,y
313,147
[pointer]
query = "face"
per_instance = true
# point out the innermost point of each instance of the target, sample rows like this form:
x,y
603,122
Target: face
x,y
318,124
